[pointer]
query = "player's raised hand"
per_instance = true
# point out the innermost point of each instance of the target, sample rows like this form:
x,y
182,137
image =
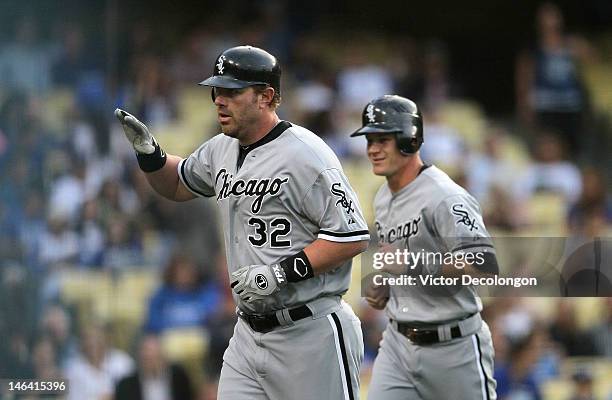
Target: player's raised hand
x,y
255,282
136,132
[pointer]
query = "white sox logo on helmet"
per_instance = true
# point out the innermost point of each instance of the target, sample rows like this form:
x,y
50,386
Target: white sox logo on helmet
x,y
220,66
370,113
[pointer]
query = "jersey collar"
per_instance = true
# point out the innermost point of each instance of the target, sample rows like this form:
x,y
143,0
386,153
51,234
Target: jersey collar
x,y
409,186
281,127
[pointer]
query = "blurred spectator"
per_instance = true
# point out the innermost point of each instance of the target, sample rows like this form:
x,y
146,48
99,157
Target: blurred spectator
x,y
549,363
513,318
31,228
14,187
360,80
13,116
153,96
583,386
489,170
601,333
593,201
550,173
94,372
82,139
18,313
34,141
123,247
19,309
15,355
221,326
184,300
500,212
56,327
25,63
190,65
92,240
69,192
565,331
44,360
72,60
116,200
550,94
444,145
313,102
142,42
515,380
155,378
59,244
501,344
426,76
437,84
10,249
372,324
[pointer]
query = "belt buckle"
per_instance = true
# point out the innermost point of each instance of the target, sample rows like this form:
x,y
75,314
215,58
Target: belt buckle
x,y
412,334
253,321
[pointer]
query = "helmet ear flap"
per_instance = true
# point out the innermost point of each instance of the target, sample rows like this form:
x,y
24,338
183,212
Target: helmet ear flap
x,y
409,140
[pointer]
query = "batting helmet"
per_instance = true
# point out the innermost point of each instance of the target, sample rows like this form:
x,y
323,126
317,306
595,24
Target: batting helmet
x,y
243,66
394,114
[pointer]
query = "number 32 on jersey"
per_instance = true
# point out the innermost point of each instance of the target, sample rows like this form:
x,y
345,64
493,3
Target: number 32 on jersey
x,y
274,231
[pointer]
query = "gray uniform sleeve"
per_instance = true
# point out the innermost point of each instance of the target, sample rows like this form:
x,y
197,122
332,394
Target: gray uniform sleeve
x,y
460,226
196,173
332,205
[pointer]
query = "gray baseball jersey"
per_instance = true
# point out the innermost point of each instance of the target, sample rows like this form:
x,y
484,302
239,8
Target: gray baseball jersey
x,y
431,215
276,197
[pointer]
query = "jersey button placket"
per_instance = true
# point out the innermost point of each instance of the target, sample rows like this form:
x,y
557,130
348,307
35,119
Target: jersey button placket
x,y
233,213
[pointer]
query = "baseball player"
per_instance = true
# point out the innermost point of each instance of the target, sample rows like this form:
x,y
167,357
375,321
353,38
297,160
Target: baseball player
x,y
291,227
436,345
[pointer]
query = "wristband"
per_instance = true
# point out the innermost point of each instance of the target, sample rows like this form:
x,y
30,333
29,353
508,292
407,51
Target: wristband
x,y
154,161
297,267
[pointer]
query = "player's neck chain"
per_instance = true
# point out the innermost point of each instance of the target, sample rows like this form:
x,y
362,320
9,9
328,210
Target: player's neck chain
x,y
258,188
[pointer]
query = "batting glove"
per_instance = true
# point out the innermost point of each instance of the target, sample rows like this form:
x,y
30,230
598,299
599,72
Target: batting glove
x,y
136,132
255,282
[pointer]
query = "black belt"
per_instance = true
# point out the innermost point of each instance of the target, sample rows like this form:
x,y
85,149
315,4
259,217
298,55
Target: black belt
x,y
422,336
266,323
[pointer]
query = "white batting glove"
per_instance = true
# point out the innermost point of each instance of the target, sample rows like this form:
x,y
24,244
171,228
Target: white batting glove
x,y
255,282
136,132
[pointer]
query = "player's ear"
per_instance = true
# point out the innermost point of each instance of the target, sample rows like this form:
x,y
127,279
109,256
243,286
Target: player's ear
x,y
267,96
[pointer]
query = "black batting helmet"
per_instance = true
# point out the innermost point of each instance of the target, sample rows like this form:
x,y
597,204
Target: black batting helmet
x,y
243,66
394,114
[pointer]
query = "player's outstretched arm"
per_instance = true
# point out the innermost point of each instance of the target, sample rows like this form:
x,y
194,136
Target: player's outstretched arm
x,y
166,182
160,168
